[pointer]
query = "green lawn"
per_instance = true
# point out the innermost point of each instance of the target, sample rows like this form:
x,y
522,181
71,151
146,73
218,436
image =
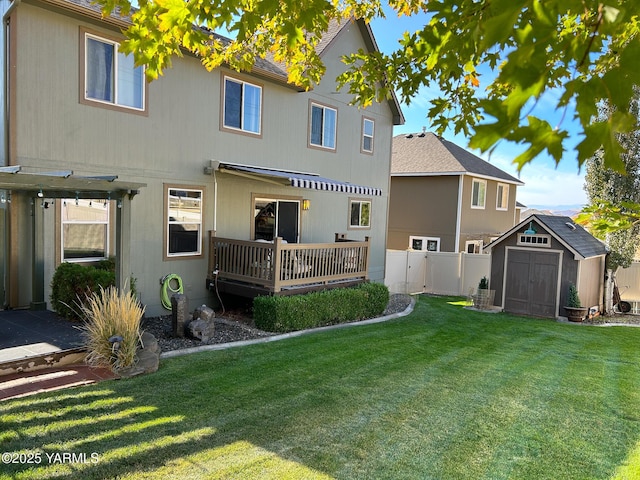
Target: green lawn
x,y
444,393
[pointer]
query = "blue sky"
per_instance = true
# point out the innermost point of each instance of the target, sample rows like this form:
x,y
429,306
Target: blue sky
x,y
545,184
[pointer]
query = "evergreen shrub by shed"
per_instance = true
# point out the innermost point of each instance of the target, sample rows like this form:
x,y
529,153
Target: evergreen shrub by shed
x,y
340,305
73,284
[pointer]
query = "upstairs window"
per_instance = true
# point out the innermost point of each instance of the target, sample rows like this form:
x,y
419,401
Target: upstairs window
x,y
478,193
367,135
502,201
242,106
110,76
323,126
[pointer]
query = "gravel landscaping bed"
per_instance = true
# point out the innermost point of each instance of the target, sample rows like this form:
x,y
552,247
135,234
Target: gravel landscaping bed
x,y
234,326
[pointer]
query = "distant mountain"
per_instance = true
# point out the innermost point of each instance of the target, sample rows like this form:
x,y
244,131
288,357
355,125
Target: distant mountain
x,y
564,210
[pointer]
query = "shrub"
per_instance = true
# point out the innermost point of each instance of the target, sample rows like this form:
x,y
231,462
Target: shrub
x,y
573,299
109,314
72,284
298,312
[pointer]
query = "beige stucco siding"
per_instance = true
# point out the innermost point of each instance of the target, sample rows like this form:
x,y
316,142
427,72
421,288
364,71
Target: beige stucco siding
x,y
178,136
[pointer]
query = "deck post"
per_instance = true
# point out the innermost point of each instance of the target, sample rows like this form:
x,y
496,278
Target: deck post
x,y
366,267
277,244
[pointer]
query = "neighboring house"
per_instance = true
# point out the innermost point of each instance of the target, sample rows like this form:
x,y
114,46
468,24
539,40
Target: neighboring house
x,y
246,155
533,264
444,198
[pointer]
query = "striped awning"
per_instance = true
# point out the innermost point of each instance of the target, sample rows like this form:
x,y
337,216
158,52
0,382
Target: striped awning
x,y
297,179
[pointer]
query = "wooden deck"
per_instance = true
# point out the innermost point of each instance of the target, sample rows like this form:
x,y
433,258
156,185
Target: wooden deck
x,y
251,268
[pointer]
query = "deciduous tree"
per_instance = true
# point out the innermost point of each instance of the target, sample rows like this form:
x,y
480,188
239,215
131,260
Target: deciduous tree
x,y
614,210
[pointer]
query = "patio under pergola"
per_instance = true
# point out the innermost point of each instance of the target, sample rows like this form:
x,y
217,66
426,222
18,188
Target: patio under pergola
x,y
16,184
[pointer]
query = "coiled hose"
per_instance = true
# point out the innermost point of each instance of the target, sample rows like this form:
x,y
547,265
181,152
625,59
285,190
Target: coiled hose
x,y
166,291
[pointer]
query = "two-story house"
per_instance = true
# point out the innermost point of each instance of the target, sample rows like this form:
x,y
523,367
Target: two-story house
x,y
445,199
98,162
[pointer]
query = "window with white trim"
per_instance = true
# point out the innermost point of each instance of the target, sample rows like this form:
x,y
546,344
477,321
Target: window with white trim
x,y
359,213
502,197
242,109
478,193
184,221
473,246
368,127
424,244
322,131
535,240
85,230
110,76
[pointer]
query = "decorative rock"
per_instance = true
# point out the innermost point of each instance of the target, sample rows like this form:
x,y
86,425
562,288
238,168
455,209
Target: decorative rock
x,y
204,313
147,357
202,327
179,312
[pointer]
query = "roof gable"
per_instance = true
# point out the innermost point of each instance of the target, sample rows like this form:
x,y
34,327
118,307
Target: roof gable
x,y
331,37
428,154
573,236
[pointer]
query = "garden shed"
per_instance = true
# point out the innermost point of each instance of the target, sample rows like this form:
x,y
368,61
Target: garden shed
x,y
534,263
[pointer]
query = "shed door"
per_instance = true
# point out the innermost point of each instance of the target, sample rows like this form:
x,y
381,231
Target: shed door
x,y
531,286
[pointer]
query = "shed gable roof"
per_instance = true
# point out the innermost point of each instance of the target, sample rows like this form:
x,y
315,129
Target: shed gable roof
x,y
428,154
573,236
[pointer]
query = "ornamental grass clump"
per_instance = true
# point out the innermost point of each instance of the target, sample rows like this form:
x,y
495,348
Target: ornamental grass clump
x,y
112,328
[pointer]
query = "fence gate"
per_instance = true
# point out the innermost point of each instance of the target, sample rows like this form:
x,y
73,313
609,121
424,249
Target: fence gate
x,y
405,271
445,273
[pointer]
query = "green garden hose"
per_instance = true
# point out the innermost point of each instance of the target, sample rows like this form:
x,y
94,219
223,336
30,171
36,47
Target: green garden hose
x,y
167,290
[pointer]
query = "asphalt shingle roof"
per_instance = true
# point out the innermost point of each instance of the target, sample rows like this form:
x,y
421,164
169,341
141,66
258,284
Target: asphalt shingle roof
x,y
429,154
573,235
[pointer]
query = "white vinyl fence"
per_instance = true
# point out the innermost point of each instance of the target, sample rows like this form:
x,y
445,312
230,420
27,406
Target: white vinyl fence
x,y
628,280
443,273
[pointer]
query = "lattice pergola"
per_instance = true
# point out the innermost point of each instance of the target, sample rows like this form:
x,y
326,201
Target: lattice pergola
x,y
64,184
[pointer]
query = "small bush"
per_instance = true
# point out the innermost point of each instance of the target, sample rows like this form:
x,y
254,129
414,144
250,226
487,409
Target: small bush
x,y
573,299
72,284
108,314
298,312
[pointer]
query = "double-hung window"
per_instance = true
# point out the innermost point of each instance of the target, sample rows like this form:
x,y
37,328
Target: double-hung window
x,y
242,108
322,132
184,221
85,230
110,76
478,193
502,201
359,214
367,135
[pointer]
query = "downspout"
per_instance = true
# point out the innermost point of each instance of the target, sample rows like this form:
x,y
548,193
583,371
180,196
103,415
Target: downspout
x,y
215,203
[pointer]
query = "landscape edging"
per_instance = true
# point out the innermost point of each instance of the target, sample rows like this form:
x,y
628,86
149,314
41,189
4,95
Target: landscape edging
x,y
283,336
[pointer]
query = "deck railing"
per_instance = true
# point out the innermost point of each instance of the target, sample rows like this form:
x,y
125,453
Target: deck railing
x,y
277,265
